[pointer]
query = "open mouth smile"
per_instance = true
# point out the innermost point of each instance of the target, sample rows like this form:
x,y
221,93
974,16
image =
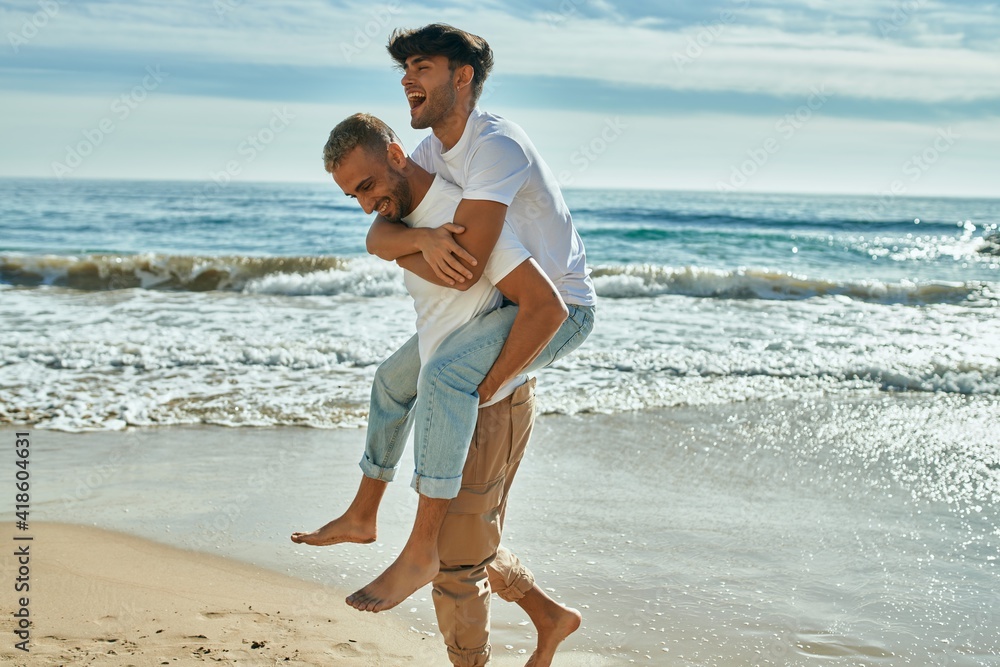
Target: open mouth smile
x,y
416,99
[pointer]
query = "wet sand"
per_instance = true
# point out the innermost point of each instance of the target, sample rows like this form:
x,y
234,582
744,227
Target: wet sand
x,y
852,531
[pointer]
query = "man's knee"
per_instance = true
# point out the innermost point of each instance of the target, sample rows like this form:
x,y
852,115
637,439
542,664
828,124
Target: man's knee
x,y
468,541
398,386
509,578
463,374
464,358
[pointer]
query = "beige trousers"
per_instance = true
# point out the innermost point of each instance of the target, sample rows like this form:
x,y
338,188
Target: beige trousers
x,y
472,561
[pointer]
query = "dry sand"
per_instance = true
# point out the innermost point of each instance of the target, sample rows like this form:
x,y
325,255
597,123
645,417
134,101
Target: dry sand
x,y
105,598
101,597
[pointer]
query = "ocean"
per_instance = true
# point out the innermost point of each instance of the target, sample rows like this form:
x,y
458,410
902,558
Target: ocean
x,y
778,447
137,303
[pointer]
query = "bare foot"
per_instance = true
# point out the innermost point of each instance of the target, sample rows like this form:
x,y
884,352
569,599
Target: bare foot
x,y
342,529
555,625
409,572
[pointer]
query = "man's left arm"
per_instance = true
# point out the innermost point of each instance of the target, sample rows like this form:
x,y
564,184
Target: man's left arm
x,y
496,171
540,313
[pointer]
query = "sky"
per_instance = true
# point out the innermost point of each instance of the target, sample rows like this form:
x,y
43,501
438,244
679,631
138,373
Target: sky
x,y
858,96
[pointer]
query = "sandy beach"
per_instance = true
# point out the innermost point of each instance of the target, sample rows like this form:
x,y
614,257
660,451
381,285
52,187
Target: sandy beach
x,y
100,597
145,592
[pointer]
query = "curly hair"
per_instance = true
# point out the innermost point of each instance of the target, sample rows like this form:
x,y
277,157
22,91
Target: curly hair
x,y
441,39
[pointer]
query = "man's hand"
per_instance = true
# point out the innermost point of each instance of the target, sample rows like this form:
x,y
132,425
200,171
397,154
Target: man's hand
x,y
443,254
404,245
487,390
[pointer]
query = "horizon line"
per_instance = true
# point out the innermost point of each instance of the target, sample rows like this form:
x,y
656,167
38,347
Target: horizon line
x,y
806,193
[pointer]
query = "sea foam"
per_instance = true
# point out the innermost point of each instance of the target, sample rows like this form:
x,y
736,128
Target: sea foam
x,y
369,277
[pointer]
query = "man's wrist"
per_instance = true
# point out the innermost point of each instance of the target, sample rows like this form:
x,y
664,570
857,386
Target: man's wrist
x,y
485,392
420,237
488,388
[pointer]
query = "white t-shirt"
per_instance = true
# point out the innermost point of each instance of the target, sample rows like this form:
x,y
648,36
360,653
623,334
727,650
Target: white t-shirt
x,y
441,310
496,161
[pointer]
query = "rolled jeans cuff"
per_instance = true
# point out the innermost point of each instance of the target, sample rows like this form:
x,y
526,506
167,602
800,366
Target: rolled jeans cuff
x,y
434,487
375,471
469,657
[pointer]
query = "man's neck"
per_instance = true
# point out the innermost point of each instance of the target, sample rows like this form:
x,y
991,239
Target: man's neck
x,y
450,128
420,181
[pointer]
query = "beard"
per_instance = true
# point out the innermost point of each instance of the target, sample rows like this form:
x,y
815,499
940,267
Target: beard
x,y
400,199
438,103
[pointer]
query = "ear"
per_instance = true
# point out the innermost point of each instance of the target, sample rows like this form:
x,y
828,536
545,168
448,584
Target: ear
x,y
464,76
396,155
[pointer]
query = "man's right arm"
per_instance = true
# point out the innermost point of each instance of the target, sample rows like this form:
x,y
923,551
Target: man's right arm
x,y
391,241
478,241
498,168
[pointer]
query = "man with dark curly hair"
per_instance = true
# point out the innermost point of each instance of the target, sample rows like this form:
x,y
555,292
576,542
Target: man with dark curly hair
x,y
502,177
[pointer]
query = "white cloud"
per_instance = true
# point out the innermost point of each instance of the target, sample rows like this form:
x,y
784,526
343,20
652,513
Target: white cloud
x,y
196,138
821,155
772,52
760,50
177,136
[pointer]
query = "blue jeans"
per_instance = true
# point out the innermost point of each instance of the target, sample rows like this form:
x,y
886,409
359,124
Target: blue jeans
x,y
445,416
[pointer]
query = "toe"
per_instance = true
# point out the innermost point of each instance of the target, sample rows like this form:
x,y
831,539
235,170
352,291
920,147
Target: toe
x,y
360,600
